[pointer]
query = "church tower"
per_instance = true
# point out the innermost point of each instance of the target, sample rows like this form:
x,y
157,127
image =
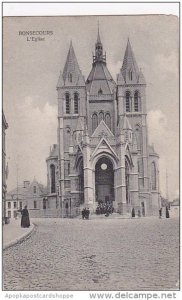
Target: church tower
x,y
100,87
131,97
71,117
102,158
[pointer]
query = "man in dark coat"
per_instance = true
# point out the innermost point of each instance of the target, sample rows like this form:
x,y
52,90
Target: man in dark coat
x,y
167,212
25,221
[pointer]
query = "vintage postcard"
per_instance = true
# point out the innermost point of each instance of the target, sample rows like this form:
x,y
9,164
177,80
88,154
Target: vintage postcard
x,y
91,153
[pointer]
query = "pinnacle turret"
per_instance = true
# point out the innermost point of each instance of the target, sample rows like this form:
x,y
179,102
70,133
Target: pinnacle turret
x,y
71,75
130,70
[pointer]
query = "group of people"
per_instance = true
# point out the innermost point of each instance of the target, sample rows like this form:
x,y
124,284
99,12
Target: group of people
x,y
167,213
104,208
85,213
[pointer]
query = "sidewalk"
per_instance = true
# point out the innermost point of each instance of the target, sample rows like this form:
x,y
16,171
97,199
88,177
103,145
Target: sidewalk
x,y
13,233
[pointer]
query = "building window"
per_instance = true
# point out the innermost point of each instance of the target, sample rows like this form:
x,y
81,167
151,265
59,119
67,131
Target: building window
x,y
35,204
9,214
76,104
66,168
14,214
127,101
136,101
67,103
34,189
9,204
53,182
94,122
153,176
14,204
44,204
101,116
20,204
108,120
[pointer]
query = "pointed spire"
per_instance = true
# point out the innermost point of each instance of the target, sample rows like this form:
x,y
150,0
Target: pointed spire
x,y
71,74
98,35
99,57
130,70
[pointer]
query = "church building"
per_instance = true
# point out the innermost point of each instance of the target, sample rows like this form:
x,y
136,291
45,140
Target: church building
x,y
102,153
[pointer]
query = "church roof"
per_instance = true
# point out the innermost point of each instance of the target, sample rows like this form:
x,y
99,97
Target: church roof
x,y
72,75
100,80
130,65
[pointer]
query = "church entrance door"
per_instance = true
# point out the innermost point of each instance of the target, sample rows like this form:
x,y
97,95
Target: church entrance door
x,y
104,181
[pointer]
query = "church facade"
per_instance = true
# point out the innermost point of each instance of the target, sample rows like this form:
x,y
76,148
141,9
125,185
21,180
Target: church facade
x,y
102,153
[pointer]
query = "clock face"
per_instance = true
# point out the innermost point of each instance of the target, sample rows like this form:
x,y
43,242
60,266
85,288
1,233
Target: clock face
x,y
104,166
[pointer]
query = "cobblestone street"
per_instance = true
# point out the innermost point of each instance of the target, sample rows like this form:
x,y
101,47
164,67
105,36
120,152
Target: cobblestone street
x,y
110,254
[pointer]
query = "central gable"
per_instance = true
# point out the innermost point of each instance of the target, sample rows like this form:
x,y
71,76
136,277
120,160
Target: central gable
x,y
104,147
102,130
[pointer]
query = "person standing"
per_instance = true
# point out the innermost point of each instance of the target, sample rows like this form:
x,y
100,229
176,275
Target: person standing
x,y
133,213
25,220
167,212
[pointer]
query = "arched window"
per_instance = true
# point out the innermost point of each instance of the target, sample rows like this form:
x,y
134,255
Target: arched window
x,y
138,137
67,103
101,116
127,101
53,177
127,181
108,120
153,176
136,101
94,122
76,104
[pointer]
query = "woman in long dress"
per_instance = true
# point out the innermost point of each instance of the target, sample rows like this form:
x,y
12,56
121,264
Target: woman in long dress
x,y
25,221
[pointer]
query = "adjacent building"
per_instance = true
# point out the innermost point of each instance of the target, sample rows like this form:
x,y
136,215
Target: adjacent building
x,y
32,194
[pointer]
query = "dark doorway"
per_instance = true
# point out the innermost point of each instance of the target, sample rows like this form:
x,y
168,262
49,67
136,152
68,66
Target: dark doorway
x,y
104,181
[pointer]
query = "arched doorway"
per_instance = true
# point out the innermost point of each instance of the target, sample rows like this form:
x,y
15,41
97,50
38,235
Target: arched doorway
x,y
104,181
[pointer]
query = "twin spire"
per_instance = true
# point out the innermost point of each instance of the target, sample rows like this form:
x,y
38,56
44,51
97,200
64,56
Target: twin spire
x,y
130,72
72,75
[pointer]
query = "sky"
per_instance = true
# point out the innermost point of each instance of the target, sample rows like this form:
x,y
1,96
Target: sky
x,y
31,71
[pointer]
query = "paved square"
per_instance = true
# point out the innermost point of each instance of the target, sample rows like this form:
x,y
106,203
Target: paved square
x,y
109,254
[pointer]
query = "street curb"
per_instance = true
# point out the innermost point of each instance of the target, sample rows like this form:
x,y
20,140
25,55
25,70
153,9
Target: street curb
x,y
20,239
